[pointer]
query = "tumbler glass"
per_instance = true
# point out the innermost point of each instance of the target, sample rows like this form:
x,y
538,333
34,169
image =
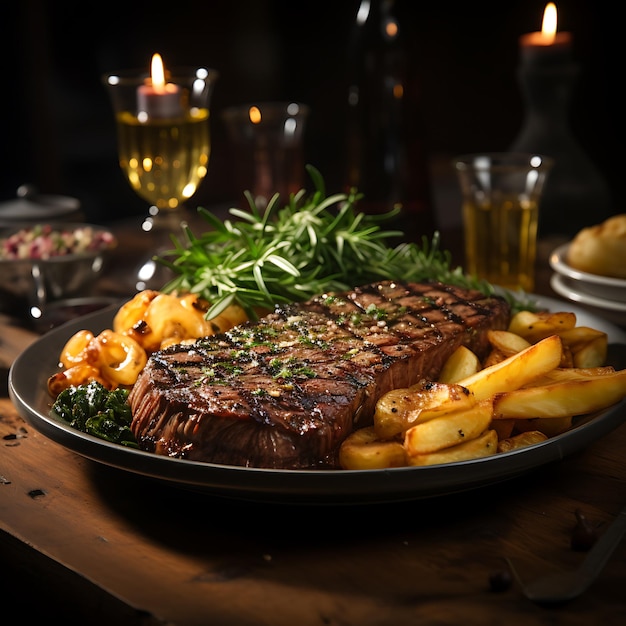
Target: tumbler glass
x,y
267,144
501,195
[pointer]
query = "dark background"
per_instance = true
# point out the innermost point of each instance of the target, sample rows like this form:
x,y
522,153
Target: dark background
x,y
59,132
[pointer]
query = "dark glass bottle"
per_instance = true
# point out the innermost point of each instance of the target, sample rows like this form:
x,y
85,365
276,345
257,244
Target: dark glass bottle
x,y
385,153
576,194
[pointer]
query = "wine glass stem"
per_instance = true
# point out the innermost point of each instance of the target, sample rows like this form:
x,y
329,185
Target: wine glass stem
x,y
163,224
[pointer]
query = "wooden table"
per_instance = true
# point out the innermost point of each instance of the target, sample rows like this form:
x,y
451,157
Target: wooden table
x,y
87,544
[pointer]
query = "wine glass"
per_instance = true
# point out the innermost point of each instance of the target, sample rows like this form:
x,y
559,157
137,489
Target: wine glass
x,y
164,145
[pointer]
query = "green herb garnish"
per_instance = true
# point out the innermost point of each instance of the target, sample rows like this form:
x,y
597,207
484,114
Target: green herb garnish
x,y
313,244
94,409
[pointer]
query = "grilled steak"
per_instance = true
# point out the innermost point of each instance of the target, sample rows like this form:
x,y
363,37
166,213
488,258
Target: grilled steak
x,y
285,391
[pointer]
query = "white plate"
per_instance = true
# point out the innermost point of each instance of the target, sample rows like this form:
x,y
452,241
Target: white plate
x,y
570,289
604,287
28,390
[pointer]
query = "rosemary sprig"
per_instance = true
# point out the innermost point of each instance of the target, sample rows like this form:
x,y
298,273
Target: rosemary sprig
x,y
291,253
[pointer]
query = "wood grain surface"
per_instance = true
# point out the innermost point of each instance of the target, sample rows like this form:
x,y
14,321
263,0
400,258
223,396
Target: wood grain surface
x,y
98,543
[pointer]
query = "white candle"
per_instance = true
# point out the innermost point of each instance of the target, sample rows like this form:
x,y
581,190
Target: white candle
x,y
157,98
547,46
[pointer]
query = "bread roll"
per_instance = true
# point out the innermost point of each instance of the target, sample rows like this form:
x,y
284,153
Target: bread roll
x,y
601,249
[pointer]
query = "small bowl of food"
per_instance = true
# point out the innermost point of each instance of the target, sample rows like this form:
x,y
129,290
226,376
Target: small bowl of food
x,y
45,262
594,262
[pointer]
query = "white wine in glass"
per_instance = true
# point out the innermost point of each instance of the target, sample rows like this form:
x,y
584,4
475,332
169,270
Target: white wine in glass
x,y
164,145
165,160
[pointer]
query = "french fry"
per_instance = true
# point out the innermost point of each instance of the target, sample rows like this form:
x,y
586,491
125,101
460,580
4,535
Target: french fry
x,y
517,370
363,449
522,440
400,409
574,397
482,446
461,364
448,430
537,326
562,374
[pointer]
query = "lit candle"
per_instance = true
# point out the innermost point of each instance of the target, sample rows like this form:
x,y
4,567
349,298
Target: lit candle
x,y
157,98
547,46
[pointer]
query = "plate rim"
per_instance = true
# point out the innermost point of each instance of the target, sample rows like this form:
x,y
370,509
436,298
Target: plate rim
x,y
567,291
315,487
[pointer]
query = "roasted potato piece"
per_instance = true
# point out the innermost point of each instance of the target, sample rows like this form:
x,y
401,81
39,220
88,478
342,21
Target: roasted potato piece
x,y
448,430
517,370
461,364
494,357
504,428
506,342
593,353
521,441
580,335
363,449
229,317
79,350
73,377
567,358
549,426
482,446
170,321
121,357
574,397
400,409
133,311
537,326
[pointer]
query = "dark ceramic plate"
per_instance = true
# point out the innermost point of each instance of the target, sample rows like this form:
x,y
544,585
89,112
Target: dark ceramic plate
x,y
27,387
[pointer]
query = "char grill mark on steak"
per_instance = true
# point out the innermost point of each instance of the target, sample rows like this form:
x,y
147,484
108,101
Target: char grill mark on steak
x,y
284,392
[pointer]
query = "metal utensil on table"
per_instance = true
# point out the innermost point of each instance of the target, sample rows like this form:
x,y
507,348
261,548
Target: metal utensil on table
x,y
565,586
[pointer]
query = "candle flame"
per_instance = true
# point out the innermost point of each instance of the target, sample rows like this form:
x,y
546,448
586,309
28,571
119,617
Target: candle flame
x,y
548,26
157,71
391,28
255,115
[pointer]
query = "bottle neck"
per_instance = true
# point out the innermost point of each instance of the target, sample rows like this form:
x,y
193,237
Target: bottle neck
x,y
384,149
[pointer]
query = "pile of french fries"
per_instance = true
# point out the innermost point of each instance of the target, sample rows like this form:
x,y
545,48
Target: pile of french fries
x,y
540,374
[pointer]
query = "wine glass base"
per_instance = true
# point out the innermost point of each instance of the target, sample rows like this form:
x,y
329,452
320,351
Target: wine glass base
x,y
152,275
